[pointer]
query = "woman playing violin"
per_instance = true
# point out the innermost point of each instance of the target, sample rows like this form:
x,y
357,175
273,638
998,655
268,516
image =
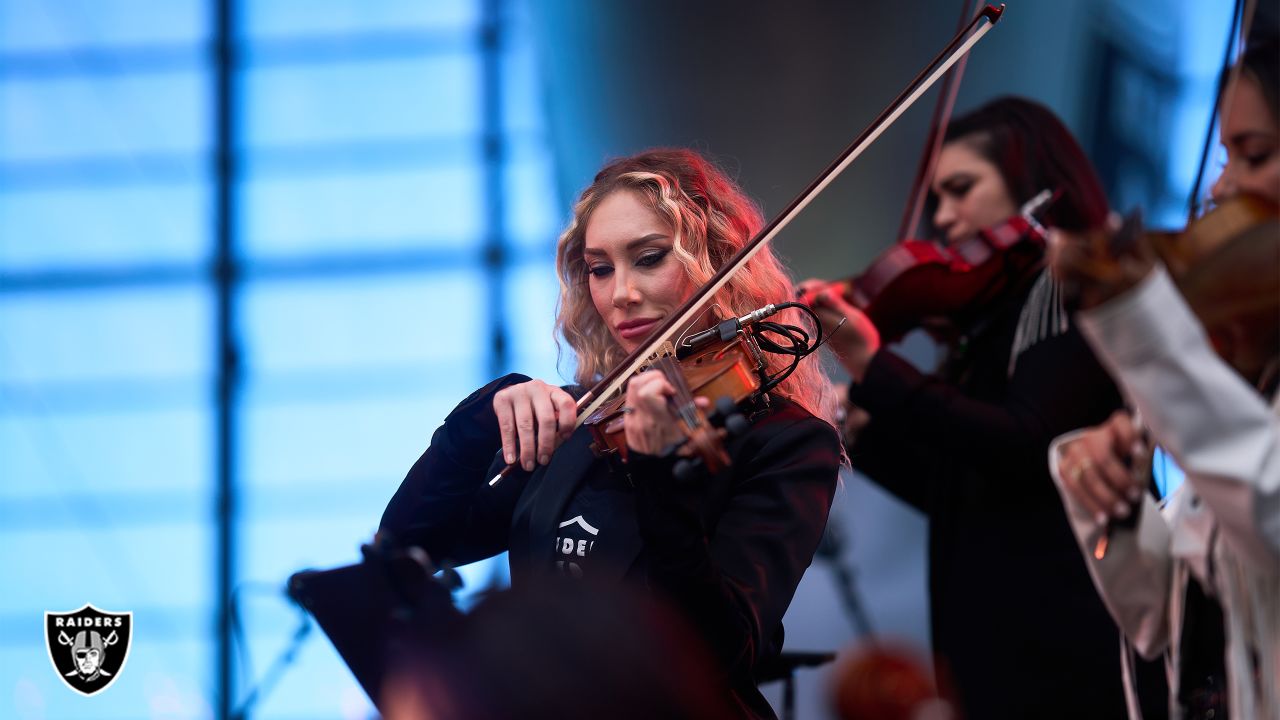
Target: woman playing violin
x,y
1199,578
726,549
1015,619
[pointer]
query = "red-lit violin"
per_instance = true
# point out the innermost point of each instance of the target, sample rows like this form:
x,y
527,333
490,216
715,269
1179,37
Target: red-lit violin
x,y
915,280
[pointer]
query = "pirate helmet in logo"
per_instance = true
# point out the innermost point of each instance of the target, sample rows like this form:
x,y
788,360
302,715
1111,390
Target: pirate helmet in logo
x,y
88,649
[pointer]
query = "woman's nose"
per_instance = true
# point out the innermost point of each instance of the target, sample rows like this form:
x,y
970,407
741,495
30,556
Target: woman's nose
x,y
1223,188
945,216
624,290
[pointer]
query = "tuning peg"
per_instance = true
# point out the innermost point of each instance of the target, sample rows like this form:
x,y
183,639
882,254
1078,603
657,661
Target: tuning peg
x,y
449,578
725,406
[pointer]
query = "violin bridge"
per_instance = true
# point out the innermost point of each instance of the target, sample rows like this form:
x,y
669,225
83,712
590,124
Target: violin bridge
x,y
666,349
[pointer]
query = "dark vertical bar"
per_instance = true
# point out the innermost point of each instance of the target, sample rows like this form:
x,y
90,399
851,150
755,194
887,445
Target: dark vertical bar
x,y
224,279
496,252
1193,204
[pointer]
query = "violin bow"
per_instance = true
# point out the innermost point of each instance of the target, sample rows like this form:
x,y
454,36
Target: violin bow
x,y
957,48
933,140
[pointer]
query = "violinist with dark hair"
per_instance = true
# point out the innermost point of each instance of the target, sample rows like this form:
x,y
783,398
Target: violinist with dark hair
x,y
1016,622
1196,347
726,549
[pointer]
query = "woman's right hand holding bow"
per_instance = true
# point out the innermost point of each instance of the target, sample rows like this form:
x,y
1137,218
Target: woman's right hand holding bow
x,y
534,419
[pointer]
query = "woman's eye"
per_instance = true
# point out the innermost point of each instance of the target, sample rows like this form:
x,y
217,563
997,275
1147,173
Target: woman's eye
x,y
599,270
650,259
1257,160
956,186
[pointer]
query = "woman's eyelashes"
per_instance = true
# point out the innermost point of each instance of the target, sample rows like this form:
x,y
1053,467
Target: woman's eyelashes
x,y
1253,149
645,259
1257,160
958,189
651,258
955,187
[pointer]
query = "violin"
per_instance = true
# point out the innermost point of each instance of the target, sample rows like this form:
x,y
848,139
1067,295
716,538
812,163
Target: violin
x,y
1105,263
1181,250
919,279
725,372
1248,253
724,365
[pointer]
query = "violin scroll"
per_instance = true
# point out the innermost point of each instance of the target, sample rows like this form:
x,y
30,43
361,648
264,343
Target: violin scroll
x,y
729,422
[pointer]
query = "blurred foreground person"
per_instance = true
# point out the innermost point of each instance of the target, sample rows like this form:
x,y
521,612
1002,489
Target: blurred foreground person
x,y
565,651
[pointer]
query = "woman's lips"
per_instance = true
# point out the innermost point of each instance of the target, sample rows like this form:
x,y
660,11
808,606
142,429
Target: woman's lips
x,y
633,330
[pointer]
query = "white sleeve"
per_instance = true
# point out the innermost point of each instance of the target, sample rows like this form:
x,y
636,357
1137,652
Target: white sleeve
x,y
1218,428
1134,576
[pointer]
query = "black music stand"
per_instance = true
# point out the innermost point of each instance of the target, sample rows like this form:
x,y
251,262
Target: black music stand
x,y
784,668
379,612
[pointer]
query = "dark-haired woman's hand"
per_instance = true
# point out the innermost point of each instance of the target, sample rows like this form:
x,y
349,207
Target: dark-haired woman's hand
x,y
855,342
534,418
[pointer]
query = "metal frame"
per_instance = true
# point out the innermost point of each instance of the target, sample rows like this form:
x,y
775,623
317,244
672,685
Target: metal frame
x,y
226,269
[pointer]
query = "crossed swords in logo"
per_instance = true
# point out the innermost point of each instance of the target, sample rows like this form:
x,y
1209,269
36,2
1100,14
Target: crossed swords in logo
x,y
107,642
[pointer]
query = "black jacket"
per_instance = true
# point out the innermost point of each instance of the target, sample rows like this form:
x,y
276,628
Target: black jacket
x,y
1015,616
728,550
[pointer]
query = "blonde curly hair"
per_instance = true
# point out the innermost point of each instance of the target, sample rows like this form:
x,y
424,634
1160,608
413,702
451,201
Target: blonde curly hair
x,y
710,219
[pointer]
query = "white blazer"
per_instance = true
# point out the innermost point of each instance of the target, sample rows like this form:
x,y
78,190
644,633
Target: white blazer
x,y
1222,525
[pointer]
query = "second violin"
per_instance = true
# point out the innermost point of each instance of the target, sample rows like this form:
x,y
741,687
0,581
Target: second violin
x,y
918,280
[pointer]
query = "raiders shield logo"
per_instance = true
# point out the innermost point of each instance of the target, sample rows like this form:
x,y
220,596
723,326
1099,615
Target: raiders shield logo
x,y
88,647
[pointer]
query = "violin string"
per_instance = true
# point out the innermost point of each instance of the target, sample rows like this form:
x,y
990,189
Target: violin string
x,y
684,395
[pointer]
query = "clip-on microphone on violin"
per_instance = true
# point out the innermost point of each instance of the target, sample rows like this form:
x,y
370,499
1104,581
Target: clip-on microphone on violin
x,y
772,337
724,331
